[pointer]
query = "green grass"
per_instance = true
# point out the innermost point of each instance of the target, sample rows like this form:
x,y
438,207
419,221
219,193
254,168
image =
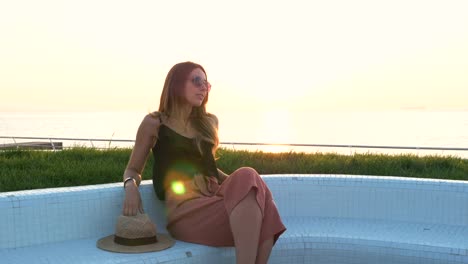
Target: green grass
x,y
28,169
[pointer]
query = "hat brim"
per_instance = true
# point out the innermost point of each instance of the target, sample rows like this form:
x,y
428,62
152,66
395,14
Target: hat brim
x,y
107,243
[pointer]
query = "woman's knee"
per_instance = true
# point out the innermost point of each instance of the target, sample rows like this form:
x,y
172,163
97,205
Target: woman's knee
x,y
244,178
246,172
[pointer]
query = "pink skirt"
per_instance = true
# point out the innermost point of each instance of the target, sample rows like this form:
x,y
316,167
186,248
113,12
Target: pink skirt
x,y
201,216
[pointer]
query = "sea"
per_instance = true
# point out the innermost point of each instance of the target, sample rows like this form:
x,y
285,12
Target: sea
x,y
344,132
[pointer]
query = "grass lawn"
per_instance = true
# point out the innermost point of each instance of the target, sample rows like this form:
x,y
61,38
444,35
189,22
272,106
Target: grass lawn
x,y
29,169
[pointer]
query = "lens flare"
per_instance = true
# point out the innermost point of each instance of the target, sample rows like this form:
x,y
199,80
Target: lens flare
x,y
178,187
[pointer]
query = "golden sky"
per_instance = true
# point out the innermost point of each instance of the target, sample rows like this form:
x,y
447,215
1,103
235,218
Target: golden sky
x,y
259,55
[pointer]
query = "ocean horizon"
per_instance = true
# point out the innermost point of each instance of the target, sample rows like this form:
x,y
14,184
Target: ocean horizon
x,y
446,129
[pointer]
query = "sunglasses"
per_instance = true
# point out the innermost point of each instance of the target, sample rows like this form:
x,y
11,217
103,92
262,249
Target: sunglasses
x,y
199,82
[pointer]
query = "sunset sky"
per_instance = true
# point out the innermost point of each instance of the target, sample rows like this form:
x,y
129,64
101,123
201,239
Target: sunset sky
x,y
260,55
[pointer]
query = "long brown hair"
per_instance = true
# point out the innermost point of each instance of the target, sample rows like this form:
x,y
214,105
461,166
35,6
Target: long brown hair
x,y
172,97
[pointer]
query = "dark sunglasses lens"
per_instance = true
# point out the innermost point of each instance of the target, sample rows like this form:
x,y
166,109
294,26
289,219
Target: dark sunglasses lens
x,y
199,82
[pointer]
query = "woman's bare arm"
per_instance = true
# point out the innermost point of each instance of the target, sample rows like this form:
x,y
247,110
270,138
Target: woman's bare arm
x,y
145,140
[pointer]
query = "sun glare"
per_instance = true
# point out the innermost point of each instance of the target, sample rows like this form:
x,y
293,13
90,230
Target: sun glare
x,y
178,187
276,129
276,148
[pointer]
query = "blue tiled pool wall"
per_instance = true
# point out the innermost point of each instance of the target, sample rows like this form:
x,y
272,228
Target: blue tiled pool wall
x,y
372,197
53,215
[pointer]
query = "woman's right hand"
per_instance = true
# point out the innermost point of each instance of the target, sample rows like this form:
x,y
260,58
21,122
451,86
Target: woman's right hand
x,y
132,203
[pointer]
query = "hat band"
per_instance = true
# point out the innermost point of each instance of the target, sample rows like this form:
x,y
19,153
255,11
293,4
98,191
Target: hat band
x,y
135,241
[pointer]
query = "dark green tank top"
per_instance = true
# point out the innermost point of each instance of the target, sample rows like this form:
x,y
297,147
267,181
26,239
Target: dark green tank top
x,y
177,158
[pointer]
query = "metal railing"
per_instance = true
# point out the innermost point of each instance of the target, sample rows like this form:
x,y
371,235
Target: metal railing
x,y
91,140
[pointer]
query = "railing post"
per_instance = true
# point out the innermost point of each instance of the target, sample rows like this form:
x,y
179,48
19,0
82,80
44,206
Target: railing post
x,y
17,147
52,143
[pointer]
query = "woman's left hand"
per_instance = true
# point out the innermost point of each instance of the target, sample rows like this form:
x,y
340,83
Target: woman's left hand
x,y
205,184
201,183
222,178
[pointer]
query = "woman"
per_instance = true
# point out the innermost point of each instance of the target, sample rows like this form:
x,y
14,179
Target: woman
x,y
204,205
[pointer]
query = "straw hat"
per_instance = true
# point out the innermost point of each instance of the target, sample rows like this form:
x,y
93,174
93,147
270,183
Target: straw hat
x,y
135,234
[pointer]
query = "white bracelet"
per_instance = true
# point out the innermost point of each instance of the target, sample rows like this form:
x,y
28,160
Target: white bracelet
x,y
128,179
